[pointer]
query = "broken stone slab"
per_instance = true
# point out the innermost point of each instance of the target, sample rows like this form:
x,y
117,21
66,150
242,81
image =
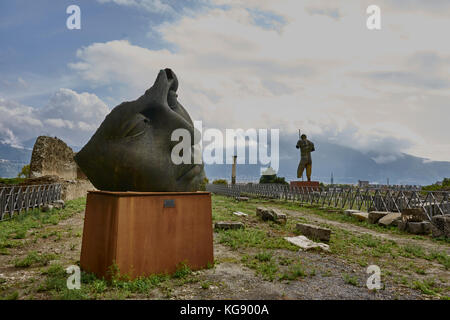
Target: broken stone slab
x,y
414,215
314,232
225,225
242,198
349,212
374,216
271,215
361,216
423,227
307,244
241,214
440,226
388,219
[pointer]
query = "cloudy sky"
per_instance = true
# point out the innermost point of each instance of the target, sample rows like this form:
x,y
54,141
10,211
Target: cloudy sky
x,y
245,64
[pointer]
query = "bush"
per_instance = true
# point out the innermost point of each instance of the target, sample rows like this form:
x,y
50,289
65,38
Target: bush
x,y
220,181
272,179
25,172
445,185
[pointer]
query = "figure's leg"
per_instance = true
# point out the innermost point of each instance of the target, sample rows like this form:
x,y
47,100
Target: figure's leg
x,y
308,171
300,169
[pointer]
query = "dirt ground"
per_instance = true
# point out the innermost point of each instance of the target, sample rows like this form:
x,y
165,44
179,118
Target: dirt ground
x,y
237,274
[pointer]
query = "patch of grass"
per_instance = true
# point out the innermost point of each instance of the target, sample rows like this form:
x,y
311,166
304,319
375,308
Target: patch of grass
x,y
251,237
426,286
352,280
263,264
264,256
182,271
118,286
34,258
284,261
295,271
11,181
12,296
19,225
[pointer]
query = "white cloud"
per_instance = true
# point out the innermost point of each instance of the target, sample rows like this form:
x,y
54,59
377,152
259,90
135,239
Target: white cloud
x,y
156,6
320,70
69,115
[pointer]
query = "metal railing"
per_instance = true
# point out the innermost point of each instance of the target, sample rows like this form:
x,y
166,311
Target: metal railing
x,y
15,199
363,199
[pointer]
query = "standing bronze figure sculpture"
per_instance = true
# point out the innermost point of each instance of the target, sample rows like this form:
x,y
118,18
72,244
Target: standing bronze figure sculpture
x,y
131,150
306,147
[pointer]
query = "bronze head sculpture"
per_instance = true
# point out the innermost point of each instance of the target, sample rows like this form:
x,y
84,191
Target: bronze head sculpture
x,y
131,150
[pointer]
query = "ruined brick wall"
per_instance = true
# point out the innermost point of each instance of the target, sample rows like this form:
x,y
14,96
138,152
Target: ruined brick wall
x,y
52,156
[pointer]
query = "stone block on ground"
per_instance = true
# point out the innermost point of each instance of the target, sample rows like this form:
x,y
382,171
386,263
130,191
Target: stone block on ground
x,y
241,214
307,244
361,216
374,216
414,215
314,232
388,219
278,216
440,226
242,198
271,215
225,225
418,227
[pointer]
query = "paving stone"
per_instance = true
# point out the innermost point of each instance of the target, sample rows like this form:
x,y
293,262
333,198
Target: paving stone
x,y
238,213
314,232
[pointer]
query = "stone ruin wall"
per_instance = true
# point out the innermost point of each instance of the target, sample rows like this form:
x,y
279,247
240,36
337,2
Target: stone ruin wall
x,y
53,158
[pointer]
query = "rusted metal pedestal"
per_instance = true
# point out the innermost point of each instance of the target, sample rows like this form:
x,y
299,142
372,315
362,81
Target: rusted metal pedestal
x,y
146,233
313,185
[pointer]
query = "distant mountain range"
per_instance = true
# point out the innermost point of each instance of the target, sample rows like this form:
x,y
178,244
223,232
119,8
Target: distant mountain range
x,y
346,164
